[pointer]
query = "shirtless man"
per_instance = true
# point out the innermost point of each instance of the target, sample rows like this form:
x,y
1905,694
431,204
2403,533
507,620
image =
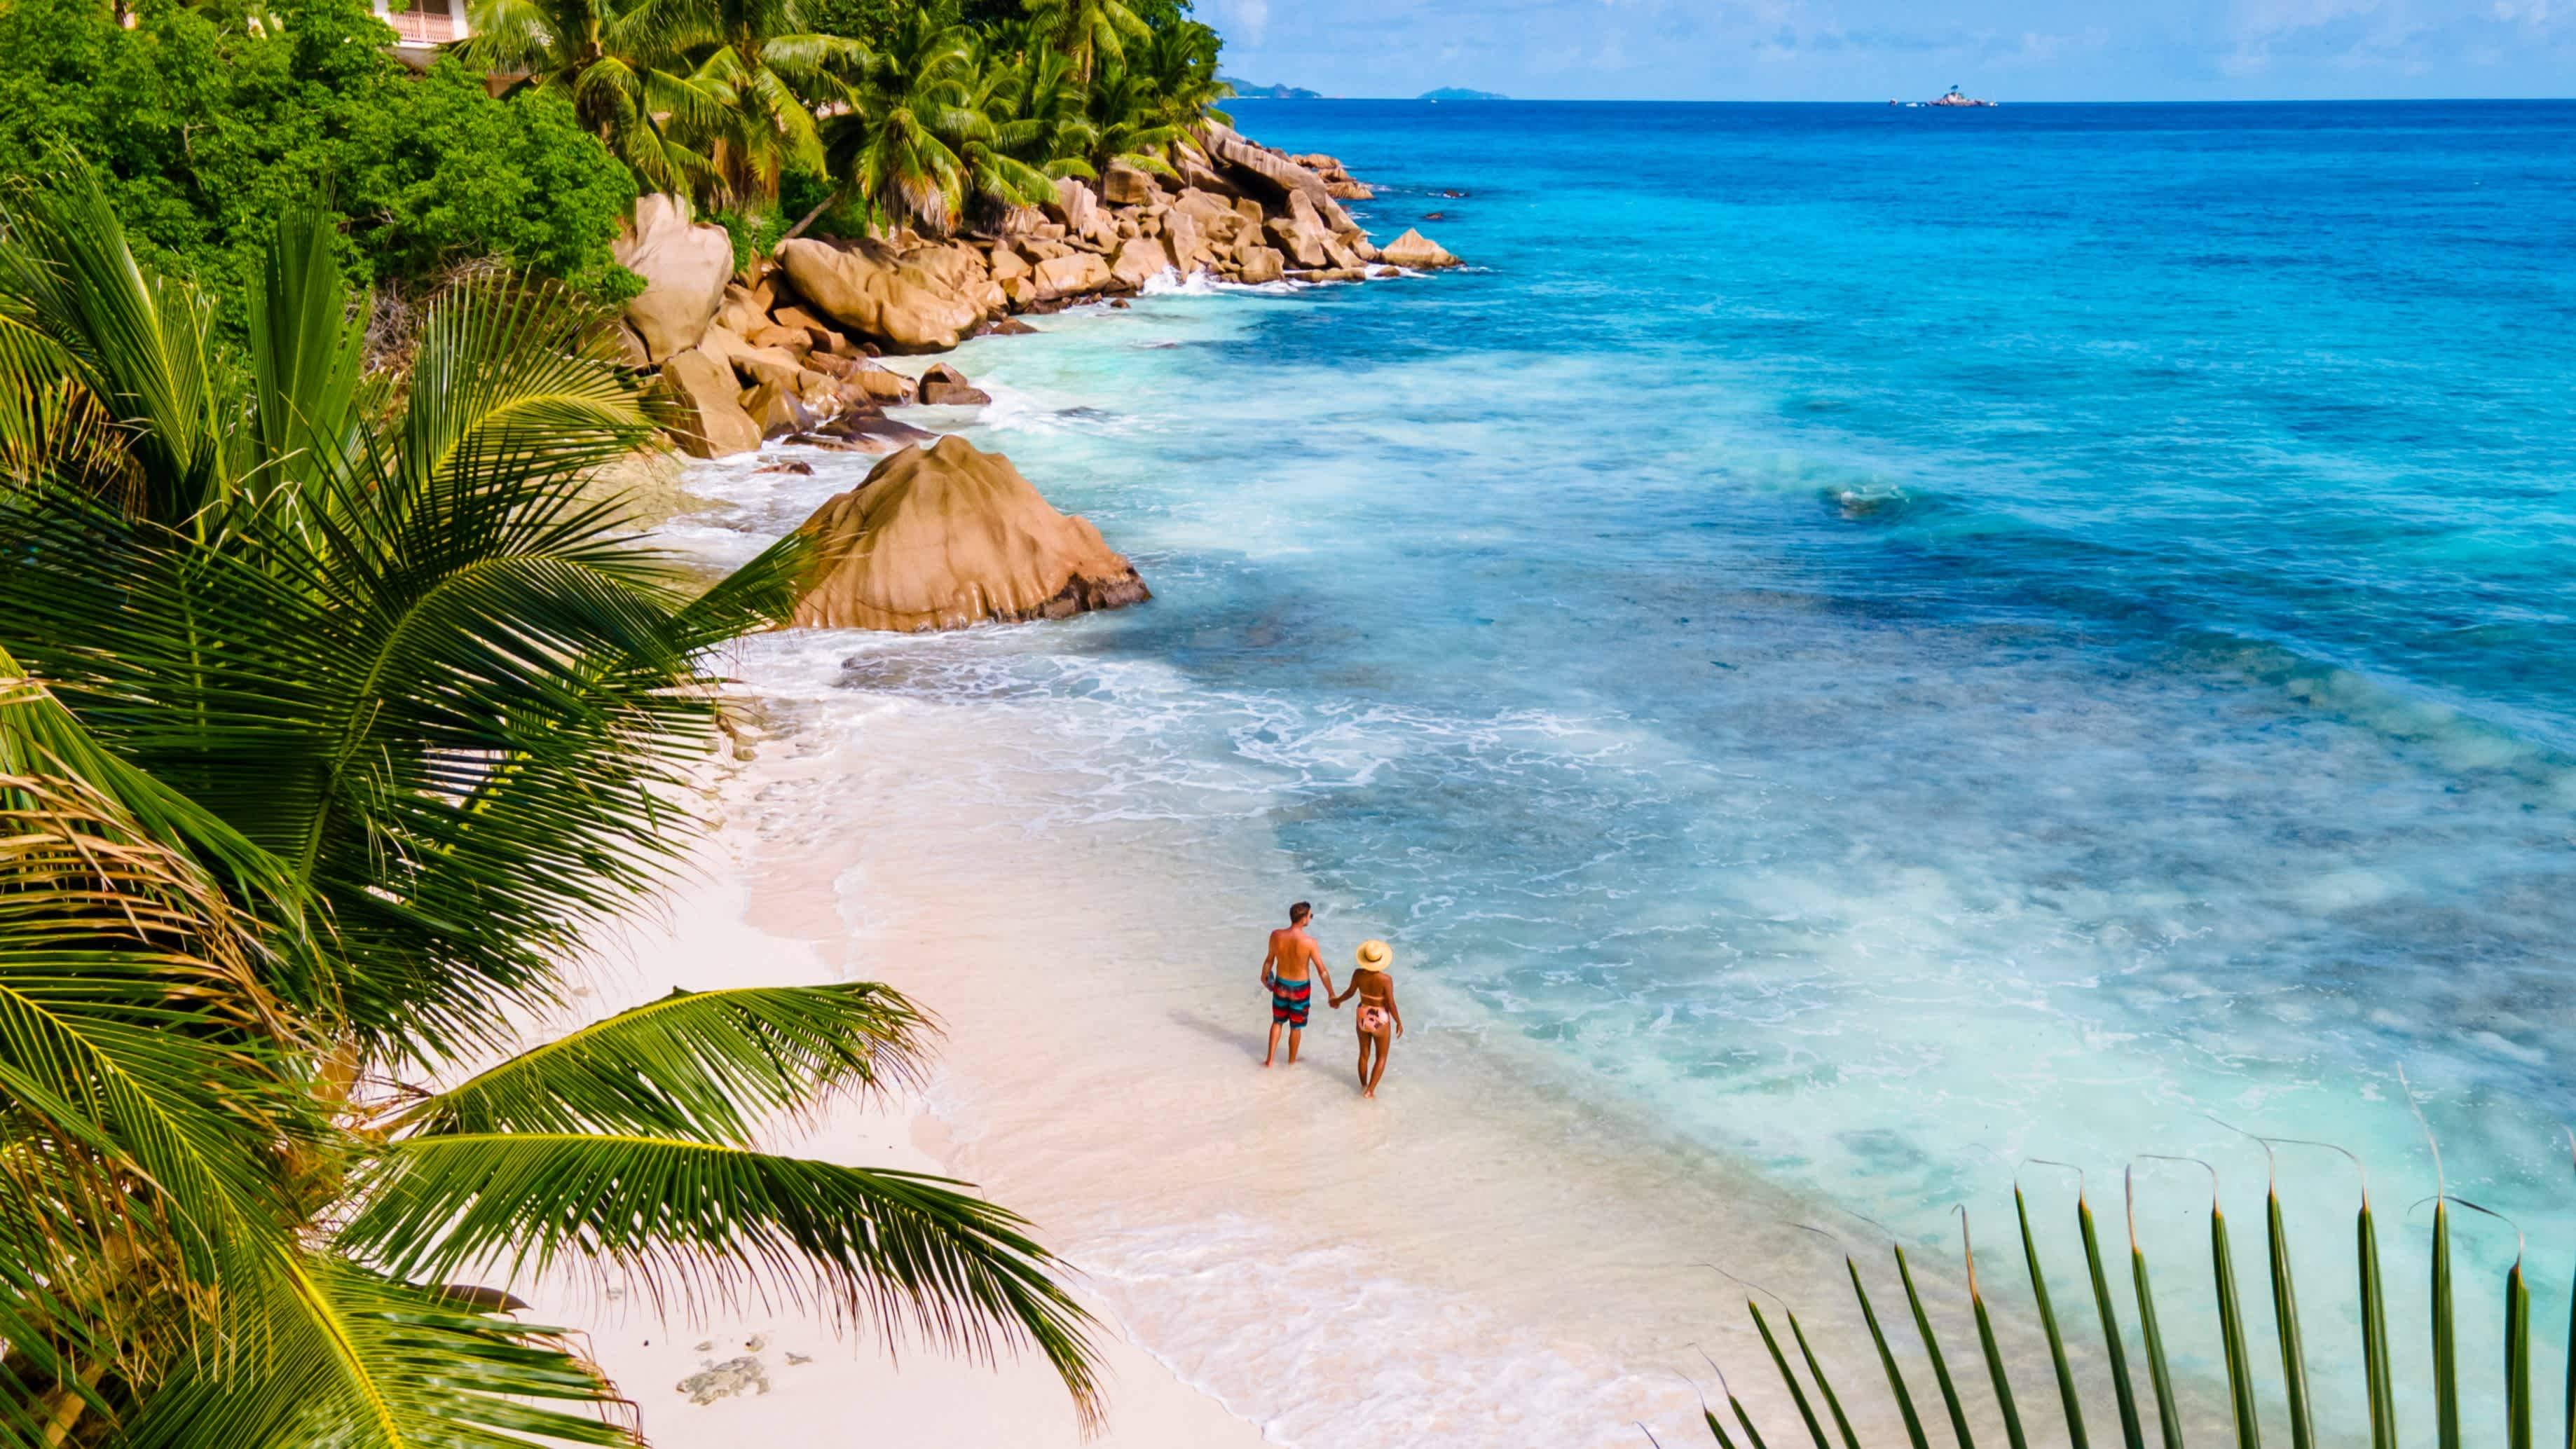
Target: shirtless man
x,y
1284,974
1374,984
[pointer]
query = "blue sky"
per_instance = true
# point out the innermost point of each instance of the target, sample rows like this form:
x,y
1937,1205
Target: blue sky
x,y
2025,50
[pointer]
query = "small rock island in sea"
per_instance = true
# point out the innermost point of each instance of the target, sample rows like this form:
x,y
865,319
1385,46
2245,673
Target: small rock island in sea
x,y
1460,93
1952,97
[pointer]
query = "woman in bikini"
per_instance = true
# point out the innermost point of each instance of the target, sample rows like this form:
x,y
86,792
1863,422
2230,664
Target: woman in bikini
x,y
1380,1022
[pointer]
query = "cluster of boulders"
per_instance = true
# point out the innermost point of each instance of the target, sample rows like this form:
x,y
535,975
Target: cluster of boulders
x,y
787,346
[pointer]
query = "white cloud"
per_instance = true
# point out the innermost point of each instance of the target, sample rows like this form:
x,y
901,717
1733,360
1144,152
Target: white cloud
x,y
1244,22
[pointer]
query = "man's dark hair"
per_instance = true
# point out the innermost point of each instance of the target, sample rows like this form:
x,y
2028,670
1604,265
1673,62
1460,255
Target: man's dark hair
x,y
1298,913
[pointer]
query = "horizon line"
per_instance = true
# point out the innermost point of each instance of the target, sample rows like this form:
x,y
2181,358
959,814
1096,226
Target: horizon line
x,y
2133,101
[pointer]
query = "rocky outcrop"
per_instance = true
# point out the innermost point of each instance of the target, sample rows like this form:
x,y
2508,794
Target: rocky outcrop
x,y
907,300
1335,177
945,386
1258,169
1415,250
948,536
1140,260
684,267
785,345
708,420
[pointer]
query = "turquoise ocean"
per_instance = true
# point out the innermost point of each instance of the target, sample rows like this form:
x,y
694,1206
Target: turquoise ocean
x,y
1884,643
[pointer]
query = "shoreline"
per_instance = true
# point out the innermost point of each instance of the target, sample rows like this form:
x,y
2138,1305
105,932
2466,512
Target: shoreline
x,y
714,1376
1474,1252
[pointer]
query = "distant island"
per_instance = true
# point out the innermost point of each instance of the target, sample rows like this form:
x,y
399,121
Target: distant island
x,y
1954,97
1247,90
1457,93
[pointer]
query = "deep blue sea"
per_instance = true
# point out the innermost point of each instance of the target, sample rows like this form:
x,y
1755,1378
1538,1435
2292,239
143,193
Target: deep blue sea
x,y
1891,641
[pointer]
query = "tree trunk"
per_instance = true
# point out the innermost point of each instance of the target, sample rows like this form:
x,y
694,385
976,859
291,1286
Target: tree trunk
x,y
798,229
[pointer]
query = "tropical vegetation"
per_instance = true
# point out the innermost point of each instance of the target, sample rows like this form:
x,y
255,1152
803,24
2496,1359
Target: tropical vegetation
x,y
206,122
2254,1380
339,705
206,119
921,115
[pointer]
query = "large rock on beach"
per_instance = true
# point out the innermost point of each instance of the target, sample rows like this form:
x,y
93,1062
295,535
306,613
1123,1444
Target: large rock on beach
x,y
1415,250
945,386
1070,275
710,422
1183,241
1140,260
1125,185
684,266
1263,264
906,301
947,536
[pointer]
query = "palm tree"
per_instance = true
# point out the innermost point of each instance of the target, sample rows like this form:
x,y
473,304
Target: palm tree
x,y
637,106
355,713
890,145
1090,31
1179,65
1041,112
1127,123
767,71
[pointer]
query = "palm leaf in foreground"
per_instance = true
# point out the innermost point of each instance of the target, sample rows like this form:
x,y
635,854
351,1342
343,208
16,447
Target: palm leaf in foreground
x,y
713,1224
2515,1405
355,1360
695,1065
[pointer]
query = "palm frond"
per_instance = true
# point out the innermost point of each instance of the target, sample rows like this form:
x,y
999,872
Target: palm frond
x,y
355,1360
696,1065
703,1224
142,345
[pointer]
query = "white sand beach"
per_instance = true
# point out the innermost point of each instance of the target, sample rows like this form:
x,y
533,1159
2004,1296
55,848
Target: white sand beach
x,y
1466,1261
784,1376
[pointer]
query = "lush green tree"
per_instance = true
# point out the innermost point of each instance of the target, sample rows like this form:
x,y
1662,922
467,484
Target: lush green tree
x,y
890,144
207,123
1129,122
1179,65
579,50
335,711
1040,110
1093,32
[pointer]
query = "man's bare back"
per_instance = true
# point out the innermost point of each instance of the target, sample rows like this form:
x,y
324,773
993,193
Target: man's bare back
x,y
1288,972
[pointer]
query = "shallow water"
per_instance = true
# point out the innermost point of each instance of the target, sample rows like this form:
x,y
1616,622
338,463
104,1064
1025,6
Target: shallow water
x,y
1873,644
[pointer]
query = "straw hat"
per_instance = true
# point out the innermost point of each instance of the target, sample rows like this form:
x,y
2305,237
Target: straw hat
x,y
1374,955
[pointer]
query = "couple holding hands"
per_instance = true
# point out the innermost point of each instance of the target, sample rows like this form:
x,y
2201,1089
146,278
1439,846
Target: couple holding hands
x,y
1289,971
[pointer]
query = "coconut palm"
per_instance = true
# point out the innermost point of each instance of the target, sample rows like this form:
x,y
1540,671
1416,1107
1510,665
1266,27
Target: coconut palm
x,y
1090,31
890,146
1040,110
1179,64
641,105
1127,123
767,71
357,712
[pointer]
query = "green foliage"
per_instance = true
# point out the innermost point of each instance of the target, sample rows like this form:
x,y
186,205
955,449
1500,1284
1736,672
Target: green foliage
x,y
753,230
2516,1404
334,708
206,124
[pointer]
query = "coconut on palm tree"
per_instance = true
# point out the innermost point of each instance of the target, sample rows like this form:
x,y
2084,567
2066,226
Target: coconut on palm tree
x,y
336,712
